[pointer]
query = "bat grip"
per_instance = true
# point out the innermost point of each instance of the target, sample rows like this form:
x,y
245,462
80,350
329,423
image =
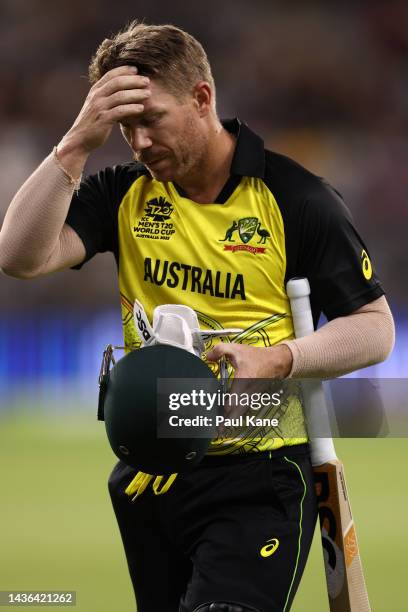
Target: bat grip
x,y
317,418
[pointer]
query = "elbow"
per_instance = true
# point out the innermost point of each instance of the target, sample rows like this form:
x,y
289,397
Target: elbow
x,y
14,265
17,269
19,273
385,337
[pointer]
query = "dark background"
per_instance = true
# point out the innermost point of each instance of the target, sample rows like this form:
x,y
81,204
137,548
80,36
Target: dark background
x,y
324,82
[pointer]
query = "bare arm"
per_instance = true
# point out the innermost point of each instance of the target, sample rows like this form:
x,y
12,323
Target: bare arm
x,y
345,344
363,338
34,239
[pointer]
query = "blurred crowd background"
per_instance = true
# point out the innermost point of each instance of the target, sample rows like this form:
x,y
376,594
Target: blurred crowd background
x,y
323,82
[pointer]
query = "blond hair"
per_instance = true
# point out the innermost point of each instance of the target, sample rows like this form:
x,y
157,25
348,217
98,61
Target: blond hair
x,y
164,52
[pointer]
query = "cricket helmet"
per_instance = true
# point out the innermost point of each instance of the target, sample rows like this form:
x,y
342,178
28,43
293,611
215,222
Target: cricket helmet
x,y
134,403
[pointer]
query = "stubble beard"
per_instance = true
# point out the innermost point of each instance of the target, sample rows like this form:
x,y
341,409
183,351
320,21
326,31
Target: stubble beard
x,y
188,157
192,153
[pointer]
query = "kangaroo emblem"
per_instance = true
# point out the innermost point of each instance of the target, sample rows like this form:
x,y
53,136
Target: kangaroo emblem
x,y
229,232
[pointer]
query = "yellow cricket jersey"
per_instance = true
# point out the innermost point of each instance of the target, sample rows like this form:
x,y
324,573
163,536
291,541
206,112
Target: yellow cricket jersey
x,y
230,260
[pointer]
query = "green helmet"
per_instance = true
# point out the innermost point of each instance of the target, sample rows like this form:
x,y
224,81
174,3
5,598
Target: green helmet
x,y
134,404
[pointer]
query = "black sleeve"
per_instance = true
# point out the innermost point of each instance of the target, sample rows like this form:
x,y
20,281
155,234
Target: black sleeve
x,y
321,241
94,208
330,253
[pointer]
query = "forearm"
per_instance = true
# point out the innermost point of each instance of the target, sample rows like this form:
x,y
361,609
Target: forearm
x,y
34,239
345,344
32,231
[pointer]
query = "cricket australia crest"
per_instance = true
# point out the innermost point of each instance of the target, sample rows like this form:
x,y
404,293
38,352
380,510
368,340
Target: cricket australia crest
x,y
246,228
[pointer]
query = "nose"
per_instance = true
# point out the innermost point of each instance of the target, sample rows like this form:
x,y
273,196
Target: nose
x,y
139,139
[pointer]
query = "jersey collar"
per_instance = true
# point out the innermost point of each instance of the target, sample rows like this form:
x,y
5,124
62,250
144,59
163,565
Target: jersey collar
x,y
249,156
248,159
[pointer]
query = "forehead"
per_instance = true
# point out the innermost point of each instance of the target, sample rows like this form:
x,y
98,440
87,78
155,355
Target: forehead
x,y
160,96
161,103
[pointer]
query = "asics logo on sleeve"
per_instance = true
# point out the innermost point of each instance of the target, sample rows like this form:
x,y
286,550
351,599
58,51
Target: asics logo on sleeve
x,y
366,265
271,546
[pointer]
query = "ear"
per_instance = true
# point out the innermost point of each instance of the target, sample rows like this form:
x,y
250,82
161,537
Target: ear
x,y
203,97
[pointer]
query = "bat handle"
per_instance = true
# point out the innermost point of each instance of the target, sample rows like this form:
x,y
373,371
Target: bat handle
x,y
317,418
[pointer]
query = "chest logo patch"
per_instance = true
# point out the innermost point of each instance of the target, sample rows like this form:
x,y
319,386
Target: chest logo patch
x,y
246,229
155,224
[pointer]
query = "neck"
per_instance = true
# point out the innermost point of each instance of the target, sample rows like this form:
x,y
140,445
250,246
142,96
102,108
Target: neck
x,y
206,181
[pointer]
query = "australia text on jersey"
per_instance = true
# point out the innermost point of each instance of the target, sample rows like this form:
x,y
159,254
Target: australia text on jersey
x,y
193,278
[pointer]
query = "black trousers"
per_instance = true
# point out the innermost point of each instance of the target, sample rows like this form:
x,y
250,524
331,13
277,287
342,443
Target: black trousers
x,y
235,529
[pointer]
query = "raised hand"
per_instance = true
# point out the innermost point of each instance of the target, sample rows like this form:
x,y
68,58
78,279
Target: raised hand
x,y
118,95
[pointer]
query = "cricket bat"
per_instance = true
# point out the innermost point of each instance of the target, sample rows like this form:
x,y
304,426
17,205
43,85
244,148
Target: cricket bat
x,y
344,573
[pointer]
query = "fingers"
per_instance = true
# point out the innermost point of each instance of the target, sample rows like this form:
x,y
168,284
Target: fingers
x,y
130,96
255,362
119,93
124,82
118,87
111,74
224,349
236,354
122,112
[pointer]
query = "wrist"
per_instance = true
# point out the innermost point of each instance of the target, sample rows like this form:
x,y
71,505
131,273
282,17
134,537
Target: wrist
x,y
281,361
71,155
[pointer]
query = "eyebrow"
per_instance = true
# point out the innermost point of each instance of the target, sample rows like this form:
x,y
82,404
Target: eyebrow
x,y
153,114
148,116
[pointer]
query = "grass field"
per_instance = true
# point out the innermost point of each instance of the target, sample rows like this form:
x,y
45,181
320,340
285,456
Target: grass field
x,y
58,530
